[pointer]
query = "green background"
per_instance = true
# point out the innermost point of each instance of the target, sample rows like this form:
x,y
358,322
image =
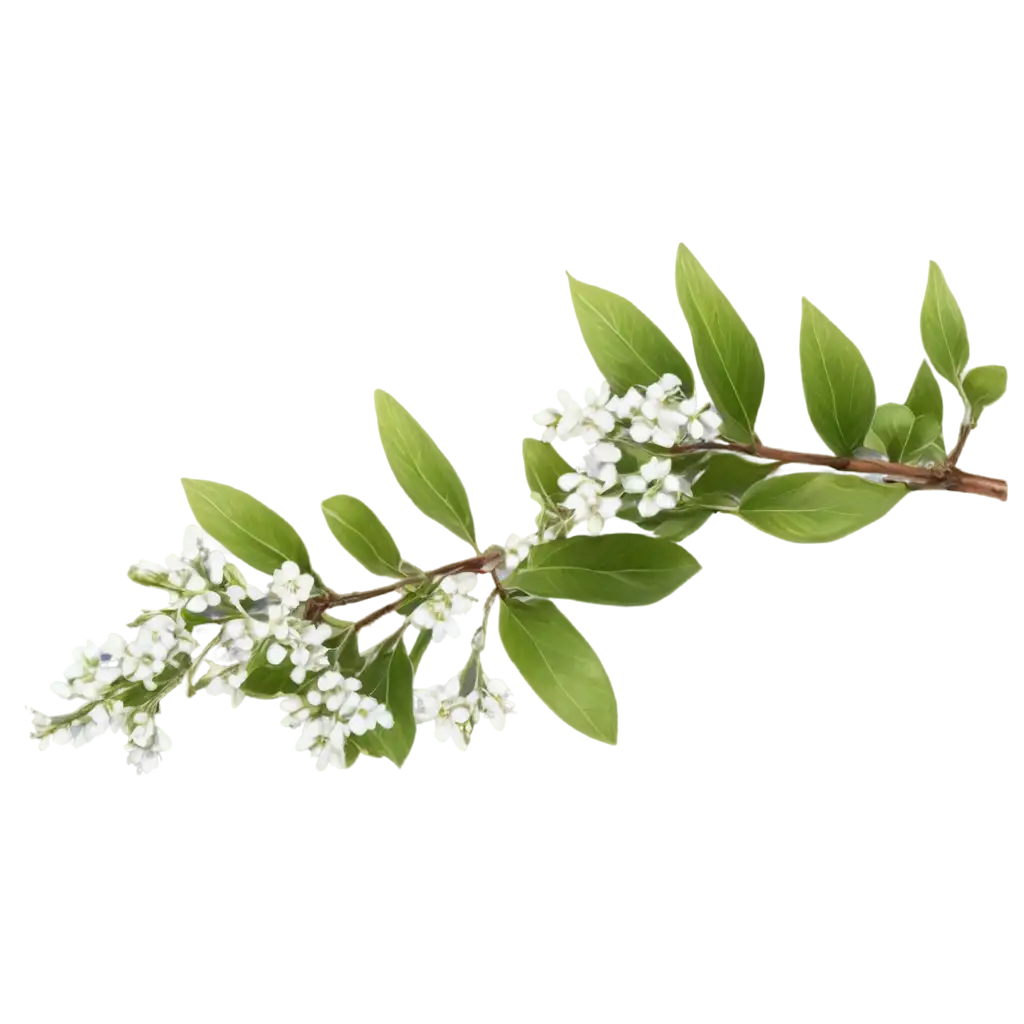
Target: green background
x,y
216,228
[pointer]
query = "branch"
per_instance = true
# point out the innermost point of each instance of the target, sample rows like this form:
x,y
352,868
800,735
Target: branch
x,y
947,477
316,606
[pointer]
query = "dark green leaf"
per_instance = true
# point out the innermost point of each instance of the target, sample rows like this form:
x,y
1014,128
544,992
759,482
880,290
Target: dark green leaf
x,y
362,535
984,385
559,665
811,508
629,348
730,474
727,355
543,468
422,470
245,526
943,330
269,681
622,569
419,648
680,524
838,387
388,679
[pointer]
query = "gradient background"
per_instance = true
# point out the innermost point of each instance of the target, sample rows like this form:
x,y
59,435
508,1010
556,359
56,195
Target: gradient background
x,y
194,204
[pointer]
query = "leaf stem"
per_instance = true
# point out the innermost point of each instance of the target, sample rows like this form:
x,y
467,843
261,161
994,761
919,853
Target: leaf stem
x,y
947,477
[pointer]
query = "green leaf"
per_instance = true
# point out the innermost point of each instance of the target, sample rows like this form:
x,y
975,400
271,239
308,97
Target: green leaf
x,y
984,385
245,526
727,355
627,346
838,387
388,679
266,679
679,525
419,648
559,665
811,508
943,330
730,474
904,436
622,569
422,470
362,535
925,398
543,468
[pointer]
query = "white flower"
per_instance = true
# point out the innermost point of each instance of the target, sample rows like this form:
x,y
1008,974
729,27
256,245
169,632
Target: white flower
x,y
211,560
188,541
93,669
592,421
304,648
227,681
291,586
659,418
516,550
159,639
146,742
588,502
243,635
329,713
702,422
448,600
659,488
454,714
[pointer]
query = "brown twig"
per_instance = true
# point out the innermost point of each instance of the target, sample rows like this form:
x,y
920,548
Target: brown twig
x,y
942,477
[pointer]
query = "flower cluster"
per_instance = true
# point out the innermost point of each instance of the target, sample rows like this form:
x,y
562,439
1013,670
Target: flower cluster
x,y
660,415
455,708
437,613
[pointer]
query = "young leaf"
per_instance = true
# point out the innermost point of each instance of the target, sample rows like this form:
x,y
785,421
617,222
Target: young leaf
x,y
925,398
730,474
559,665
943,330
727,355
627,346
422,470
543,468
903,435
838,387
811,508
388,679
984,385
362,535
246,527
622,569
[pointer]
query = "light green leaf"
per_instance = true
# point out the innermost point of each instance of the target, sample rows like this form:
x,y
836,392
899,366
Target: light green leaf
x,y
811,508
838,387
627,346
943,330
904,436
621,569
422,470
362,535
388,679
543,468
559,665
246,527
727,356
925,398
730,474
984,385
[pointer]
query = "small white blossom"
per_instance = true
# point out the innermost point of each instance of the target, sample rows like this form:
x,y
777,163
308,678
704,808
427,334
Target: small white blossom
x,y
702,422
437,613
291,586
93,669
328,713
454,714
660,489
588,502
146,742
516,550
304,649
592,421
659,418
